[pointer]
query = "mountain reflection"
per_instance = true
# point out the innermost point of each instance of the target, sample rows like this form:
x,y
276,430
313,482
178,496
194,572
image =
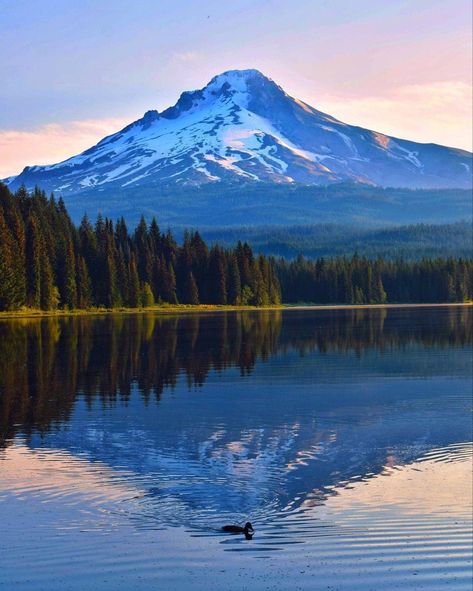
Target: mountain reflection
x,y
45,364
229,416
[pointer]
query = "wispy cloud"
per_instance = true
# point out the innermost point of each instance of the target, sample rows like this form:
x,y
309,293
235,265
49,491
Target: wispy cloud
x,y
52,142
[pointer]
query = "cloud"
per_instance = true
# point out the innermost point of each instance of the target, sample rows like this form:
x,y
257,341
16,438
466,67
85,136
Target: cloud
x,y
51,143
439,112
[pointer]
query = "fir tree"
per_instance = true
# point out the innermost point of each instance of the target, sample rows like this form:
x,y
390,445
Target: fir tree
x,y
9,299
84,292
234,283
33,264
217,280
147,297
191,292
134,293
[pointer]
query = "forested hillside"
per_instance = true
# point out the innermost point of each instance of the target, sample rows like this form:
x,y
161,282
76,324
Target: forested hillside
x,y
412,242
46,262
258,204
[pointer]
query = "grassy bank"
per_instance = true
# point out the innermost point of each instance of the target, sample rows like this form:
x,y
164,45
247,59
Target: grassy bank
x,y
157,309
187,308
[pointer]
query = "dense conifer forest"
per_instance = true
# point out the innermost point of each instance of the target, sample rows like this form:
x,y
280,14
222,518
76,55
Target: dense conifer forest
x,y
359,280
413,242
46,262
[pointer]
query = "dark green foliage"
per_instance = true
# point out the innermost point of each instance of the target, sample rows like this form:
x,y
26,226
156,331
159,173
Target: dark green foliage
x,y
190,292
168,284
133,287
359,280
234,282
147,297
8,298
84,292
217,277
412,242
46,262
258,203
14,245
49,292
67,273
33,264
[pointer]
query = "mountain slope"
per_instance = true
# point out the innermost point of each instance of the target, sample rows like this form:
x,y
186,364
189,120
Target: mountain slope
x,y
243,126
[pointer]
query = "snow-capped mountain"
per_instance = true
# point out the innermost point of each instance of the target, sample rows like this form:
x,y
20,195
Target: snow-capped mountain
x,y
243,126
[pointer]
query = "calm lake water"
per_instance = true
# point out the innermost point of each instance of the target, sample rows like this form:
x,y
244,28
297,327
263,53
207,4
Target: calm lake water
x,y
344,436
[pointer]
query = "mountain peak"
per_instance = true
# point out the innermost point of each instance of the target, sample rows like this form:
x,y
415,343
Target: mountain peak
x,y
243,126
240,81
237,76
236,86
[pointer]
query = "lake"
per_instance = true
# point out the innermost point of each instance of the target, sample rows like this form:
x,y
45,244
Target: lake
x,y
344,436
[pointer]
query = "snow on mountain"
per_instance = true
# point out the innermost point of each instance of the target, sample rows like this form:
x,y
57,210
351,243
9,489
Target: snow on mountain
x,y
243,126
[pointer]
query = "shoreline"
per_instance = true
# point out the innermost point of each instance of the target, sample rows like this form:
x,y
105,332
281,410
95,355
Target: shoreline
x,y
205,308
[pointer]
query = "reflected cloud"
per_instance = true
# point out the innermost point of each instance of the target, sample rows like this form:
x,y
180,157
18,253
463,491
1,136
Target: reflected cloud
x,y
423,487
56,473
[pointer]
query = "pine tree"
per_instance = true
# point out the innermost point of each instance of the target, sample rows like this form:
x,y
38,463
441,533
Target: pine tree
x,y
14,223
451,294
157,278
121,273
359,296
67,276
191,292
147,298
88,247
234,283
183,269
168,290
379,292
50,298
155,237
134,293
200,263
33,264
260,271
347,288
143,251
9,300
217,279
274,286
247,296
84,292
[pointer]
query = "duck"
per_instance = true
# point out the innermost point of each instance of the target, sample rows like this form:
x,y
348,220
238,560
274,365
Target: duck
x,y
236,529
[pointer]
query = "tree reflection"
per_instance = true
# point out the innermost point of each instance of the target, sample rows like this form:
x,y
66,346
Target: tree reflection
x,y
46,363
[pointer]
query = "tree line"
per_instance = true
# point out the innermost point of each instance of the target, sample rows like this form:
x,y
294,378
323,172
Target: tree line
x,y
412,242
46,262
360,280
